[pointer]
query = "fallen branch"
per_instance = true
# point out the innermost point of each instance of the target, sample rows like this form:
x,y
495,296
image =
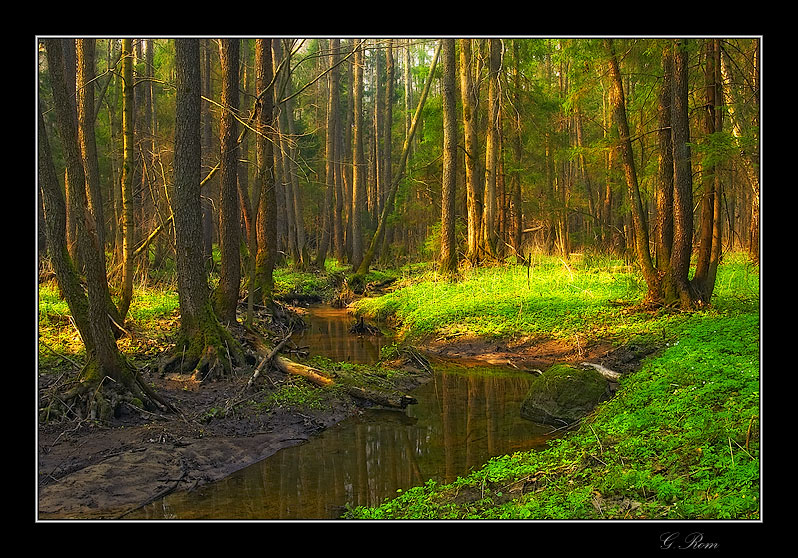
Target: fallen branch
x,y
266,360
288,366
606,372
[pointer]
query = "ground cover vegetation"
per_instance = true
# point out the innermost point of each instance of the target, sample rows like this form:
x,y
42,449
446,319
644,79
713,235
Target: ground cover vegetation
x,y
193,193
680,439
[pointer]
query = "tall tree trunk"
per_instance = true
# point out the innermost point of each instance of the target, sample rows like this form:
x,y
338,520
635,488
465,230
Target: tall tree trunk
x,y
330,152
207,140
204,344
358,163
703,282
627,159
226,295
88,143
469,94
516,174
492,149
682,178
105,360
449,183
69,61
55,211
263,286
387,143
128,225
664,198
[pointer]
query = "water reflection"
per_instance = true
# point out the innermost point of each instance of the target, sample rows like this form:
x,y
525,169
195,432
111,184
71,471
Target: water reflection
x,y
328,335
463,418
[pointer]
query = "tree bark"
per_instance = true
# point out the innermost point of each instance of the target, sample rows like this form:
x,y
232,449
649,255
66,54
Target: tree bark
x,y
266,223
204,344
358,163
682,179
128,225
330,153
226,296
469,94
703,282
664,201
627,157
448,257
492,150
104,358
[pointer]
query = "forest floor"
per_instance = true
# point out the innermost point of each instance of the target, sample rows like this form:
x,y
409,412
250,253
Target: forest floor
x,y
89,470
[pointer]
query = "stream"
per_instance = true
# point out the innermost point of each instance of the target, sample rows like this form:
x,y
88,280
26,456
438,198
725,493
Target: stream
x,y
464,416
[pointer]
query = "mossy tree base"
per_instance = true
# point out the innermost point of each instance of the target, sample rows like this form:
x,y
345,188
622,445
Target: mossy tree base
x,y
204,350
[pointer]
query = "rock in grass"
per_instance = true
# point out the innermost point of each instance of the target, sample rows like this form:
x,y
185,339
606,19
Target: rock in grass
x,y
564,394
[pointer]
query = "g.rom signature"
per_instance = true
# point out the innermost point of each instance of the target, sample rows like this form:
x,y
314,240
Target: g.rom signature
x,y
691,541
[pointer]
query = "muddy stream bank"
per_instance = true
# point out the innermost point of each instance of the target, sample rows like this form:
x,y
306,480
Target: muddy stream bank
x,y
290,465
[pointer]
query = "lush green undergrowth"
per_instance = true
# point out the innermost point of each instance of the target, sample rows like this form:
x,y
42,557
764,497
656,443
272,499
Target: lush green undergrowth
x,y
680,440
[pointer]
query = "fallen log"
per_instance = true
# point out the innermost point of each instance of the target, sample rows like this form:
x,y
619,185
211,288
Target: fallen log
x,y
315,376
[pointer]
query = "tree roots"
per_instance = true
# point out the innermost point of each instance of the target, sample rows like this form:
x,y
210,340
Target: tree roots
x,y
95,395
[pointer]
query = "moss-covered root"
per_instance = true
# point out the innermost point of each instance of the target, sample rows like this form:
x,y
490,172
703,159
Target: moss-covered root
x,y
208,354
99,395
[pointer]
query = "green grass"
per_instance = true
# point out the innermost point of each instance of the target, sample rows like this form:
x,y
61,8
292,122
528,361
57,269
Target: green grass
x,y
680,440
151,318
550,298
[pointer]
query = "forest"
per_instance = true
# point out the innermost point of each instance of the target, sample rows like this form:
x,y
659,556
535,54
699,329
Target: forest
x,y
520,202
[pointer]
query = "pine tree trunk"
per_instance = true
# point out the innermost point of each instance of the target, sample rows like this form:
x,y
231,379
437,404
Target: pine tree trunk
x,y
263,286
104,360
469,95
627,159
128,225
448,247
664,199
682,178
226,295
330,153
358,163
204,343
703,283
492,150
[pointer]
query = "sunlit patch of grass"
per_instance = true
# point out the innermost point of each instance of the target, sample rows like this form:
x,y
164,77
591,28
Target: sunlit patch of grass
x,y
153,316
550,298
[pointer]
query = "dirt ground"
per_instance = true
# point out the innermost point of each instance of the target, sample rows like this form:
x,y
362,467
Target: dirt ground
x,y
88,471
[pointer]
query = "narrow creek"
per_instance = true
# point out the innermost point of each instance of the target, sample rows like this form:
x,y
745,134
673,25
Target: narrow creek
x,y
464,416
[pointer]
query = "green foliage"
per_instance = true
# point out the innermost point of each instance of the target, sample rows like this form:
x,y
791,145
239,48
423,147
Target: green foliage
x,y
680,440
297,394
551,298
